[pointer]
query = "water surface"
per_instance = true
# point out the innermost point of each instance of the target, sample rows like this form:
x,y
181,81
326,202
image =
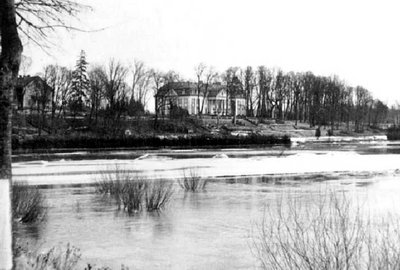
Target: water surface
x,y
205,230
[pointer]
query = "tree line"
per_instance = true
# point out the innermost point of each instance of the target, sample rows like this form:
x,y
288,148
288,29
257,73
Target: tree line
x,y
114,90
107,92
305,97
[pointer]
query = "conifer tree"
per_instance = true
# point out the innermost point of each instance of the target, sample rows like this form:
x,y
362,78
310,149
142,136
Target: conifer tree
x,y
80,85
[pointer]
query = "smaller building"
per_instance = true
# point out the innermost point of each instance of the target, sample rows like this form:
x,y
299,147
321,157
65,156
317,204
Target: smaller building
x,y
184,95
32,93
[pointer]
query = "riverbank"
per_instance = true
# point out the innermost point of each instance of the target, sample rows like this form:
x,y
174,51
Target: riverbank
x,y
207,132
49,143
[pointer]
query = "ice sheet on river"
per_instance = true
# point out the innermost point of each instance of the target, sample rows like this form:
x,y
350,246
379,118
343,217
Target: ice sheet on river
x,y
87,171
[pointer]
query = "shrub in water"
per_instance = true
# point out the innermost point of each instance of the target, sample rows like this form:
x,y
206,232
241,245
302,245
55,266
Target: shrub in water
x,y
114,183
191,181
27,203
157,194
133,194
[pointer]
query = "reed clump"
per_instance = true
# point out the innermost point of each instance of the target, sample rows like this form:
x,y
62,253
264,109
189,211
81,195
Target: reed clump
x,y
134,194
192,181
157,194
27,203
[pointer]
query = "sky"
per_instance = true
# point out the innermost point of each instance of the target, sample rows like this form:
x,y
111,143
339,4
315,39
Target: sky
x,y
357,40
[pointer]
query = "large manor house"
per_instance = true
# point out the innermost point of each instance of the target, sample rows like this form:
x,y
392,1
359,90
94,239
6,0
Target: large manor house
x,y
215,101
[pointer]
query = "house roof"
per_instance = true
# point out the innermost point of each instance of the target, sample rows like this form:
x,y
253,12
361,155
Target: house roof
x,y
26,80
180,88
188,89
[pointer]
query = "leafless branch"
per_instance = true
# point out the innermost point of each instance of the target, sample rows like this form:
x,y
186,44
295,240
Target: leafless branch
x,y
39,19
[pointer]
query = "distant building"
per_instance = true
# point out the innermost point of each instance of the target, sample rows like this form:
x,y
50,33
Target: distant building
x,y
185,96
32,93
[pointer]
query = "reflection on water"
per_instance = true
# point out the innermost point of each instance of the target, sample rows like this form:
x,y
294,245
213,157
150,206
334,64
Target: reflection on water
x,y
210,229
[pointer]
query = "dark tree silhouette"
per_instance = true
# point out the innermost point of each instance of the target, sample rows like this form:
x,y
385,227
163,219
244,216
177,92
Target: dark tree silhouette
x,y
80,85
35,20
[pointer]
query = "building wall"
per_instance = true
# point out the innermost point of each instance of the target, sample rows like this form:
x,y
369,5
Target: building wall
x,y
212,105
31,95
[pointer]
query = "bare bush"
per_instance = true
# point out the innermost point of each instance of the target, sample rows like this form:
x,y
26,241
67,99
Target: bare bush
x,y
131,196
27,203
332,233
54,259
111,182
126,188
158,193
134,194
192,181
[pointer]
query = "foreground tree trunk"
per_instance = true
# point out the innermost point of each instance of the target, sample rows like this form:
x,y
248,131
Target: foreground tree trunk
x,y
10,59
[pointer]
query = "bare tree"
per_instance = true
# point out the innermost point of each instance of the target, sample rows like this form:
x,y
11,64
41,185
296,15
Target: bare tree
x,y
171,76
35,19
266,104
141,80
363,99
115,88
249,87
229,77
42,97
210,77
97,79
60,81
199,69
10,59
205,78
158,81
38,20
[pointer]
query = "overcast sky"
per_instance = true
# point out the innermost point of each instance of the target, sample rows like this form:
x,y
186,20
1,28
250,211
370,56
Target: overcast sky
x,y
357,40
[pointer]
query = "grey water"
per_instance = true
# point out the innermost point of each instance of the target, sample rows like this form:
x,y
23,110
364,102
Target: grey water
x,y
211,229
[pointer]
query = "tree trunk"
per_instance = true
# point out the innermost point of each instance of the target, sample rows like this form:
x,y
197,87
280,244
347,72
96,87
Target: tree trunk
x,y
53,115
156,111
296,111
10,59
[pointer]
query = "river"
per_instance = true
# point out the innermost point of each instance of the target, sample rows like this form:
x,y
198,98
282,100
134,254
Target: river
x,y
212,229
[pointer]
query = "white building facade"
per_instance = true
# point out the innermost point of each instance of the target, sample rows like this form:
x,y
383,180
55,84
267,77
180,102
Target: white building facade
x,y
185,95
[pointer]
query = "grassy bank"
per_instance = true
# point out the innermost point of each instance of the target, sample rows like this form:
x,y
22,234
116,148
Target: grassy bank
x,y
94,142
